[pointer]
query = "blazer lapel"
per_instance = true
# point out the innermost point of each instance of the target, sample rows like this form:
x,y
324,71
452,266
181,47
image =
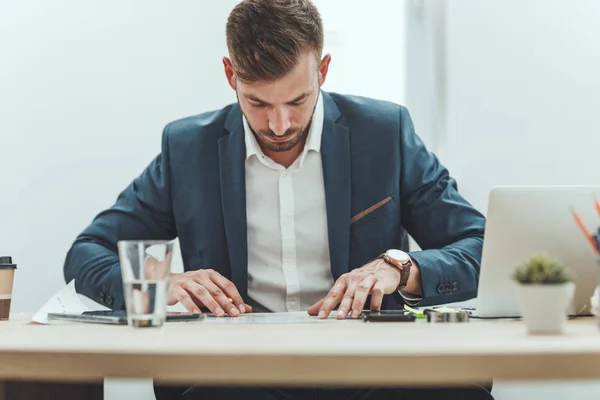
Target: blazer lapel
x,y
335,151
233,195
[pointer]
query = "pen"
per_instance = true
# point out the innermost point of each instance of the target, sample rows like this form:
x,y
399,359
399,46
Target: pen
x,y
585,231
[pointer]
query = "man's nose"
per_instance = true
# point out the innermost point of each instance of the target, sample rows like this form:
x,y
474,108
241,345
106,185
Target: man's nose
x,y
279,122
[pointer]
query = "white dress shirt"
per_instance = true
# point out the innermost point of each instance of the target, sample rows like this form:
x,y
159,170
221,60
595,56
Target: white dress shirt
x,y
288,249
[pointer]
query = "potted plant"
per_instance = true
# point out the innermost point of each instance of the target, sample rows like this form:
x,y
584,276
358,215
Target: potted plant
x,y
545,293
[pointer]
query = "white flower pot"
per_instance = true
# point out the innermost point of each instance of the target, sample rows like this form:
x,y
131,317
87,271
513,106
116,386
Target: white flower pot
x,y
545,307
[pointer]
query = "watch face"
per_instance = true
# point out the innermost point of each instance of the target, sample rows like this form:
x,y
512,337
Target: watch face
x,y
398,255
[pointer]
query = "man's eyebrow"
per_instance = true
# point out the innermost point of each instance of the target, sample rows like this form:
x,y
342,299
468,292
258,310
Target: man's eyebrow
x,y
299,98
253,98
257,100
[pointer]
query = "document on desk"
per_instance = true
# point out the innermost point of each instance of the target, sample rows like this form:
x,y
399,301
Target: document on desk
x,y
65,301
300,317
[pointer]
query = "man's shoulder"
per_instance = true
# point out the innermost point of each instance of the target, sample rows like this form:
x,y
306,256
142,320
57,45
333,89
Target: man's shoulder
x,y
359,110
364,105
207,123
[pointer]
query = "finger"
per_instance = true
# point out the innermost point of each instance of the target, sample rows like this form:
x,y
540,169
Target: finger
x,y
333,298
154,269
346,303
228,287
363,289
186,300
314,309
222,299
244,308
201,293
173,292
377,296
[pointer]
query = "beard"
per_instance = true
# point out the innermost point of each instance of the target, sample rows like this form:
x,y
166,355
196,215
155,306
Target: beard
x,y
290,139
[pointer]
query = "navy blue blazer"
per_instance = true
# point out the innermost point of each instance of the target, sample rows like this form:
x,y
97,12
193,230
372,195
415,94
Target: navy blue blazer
x,y
195,190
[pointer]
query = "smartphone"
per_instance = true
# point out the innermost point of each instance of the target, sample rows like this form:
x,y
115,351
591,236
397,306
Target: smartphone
x,y
387,316
171,315
118,317
111,318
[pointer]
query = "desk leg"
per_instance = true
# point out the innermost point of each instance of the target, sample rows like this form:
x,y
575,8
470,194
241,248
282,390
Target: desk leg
x,y
27,390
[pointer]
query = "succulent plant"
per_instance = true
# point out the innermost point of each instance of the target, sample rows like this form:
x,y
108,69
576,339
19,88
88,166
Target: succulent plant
x,y
541,270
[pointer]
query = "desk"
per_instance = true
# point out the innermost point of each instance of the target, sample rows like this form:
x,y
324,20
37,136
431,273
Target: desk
x,y
321,353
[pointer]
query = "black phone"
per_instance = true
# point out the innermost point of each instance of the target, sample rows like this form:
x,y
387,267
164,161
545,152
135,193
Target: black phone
x,y
387,316
118,317
171,315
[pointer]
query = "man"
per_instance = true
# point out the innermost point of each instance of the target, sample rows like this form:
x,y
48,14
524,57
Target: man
x,y
292,198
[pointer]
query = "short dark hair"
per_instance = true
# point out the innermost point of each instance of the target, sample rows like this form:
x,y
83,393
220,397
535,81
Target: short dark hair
x,y
266,37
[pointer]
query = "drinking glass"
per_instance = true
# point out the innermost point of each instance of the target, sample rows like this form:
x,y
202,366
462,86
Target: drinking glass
x,y
145,269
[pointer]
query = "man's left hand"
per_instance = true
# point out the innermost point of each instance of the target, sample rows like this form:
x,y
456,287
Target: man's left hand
x,y
350,291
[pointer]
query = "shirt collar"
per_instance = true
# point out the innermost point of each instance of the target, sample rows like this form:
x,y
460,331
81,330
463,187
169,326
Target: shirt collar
x,y
313,140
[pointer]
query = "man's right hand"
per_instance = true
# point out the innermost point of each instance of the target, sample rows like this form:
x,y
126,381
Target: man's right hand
x,y
206,288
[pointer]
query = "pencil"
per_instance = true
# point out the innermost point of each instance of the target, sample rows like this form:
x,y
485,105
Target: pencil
x,y
598,206
585,231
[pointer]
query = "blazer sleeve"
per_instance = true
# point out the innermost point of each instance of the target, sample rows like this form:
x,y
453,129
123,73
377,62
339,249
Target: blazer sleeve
x,y
446,227
142,211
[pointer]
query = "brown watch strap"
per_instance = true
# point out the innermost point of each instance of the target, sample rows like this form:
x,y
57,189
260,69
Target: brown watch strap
x,y
404,274
404,269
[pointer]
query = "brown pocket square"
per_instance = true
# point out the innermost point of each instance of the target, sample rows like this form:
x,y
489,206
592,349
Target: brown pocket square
x,y
369,210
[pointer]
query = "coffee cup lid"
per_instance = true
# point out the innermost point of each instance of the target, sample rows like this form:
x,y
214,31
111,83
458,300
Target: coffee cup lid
x,y
6,263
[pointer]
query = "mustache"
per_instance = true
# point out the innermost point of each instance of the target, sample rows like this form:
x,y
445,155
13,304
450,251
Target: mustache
x,y
270,133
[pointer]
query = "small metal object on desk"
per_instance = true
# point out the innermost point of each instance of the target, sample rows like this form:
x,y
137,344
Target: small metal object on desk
x,y
446,317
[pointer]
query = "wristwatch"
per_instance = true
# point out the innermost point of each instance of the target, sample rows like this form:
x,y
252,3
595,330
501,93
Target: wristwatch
x,y
400,260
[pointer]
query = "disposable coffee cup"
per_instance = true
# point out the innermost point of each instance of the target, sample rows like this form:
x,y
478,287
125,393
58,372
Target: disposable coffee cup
x,y
7,276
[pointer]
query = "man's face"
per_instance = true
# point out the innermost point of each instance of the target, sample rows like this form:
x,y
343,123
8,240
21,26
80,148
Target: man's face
x,y
279,113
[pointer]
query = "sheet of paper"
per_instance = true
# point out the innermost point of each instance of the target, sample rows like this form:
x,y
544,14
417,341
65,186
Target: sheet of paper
x,y
275,318
65,301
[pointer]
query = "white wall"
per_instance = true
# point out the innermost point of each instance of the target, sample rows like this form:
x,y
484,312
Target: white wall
x,y
523,93
426,70
86,88
367,40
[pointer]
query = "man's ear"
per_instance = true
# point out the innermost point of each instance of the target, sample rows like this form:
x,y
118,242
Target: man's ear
x,y
229,72
324,68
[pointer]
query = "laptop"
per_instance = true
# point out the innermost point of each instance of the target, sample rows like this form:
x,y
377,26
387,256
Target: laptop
x,y
526,220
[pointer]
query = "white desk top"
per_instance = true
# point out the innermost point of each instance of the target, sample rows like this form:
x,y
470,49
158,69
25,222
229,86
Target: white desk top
x,y
326,352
